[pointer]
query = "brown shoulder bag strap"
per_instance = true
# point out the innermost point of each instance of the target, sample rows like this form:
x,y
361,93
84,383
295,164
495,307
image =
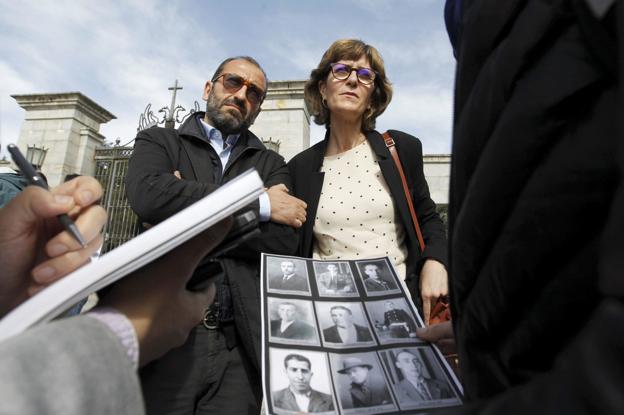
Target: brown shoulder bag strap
x,y
395,156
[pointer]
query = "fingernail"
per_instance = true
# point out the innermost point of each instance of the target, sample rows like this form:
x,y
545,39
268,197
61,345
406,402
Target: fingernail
x,y
86,197
43,274
62,199
57,249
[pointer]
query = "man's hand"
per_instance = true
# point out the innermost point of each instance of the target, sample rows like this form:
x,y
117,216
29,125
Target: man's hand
x,y
34,249
155,298
433,284
441,335
286,209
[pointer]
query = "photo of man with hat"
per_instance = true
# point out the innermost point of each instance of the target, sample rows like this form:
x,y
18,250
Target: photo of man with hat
x,y
364,390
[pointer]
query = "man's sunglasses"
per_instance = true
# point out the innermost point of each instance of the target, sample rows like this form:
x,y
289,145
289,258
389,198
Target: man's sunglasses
x,y
233,83
342,71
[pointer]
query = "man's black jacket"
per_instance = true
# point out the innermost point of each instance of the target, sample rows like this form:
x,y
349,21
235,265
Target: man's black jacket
x,y
155,194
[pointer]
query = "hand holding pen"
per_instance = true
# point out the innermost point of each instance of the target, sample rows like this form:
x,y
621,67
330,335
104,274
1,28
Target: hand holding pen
x,y
35,179
34,249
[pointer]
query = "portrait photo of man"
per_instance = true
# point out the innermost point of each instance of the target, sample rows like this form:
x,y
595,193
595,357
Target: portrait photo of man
x,y
376,276
344,330
367,386
287,274
413,386
299,395
290,324
334,279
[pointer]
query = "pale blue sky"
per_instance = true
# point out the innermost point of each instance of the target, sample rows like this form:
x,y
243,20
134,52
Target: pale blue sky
x,y
124,54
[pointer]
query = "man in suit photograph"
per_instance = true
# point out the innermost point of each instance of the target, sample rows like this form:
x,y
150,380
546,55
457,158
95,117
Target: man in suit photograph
x,y
401,325
415,387
288,326
364,392
374,280
333,281
299,395
344,329
289,280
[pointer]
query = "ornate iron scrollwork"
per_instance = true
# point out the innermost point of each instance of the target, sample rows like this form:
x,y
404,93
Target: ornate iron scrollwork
x,y
149,119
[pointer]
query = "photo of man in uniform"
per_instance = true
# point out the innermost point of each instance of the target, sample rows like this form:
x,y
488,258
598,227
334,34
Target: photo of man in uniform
x,y
398,321
289,325
299,395
344,329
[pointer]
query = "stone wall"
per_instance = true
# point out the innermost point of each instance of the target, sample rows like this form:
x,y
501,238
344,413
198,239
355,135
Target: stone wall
x,y
285,118
68,125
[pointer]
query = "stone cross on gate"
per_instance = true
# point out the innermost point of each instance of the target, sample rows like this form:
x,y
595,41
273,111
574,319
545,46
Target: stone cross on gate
x,y
170,121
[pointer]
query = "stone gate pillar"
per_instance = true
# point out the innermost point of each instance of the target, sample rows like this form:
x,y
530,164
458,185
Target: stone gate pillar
x,y
68,125
284,118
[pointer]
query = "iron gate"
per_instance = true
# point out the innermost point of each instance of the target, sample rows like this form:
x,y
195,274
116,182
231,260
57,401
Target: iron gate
x,y
111,166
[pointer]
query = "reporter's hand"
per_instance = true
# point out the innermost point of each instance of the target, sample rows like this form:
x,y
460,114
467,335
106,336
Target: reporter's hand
x,y
433,284
155,298
286,209
441,335
34,249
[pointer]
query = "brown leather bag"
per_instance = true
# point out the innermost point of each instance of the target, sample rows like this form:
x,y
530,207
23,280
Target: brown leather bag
x,y
440,312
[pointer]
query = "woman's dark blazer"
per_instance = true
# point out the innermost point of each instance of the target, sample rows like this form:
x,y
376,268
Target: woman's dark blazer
x,y
308,182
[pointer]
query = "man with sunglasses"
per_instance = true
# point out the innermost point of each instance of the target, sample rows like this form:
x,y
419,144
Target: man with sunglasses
x,y
218,369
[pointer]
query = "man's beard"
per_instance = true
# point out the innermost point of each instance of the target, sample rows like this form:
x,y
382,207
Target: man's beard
x,y
227,121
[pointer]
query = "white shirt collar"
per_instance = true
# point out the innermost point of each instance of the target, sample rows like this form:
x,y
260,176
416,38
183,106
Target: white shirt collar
x,y
284,326
302,399
213,134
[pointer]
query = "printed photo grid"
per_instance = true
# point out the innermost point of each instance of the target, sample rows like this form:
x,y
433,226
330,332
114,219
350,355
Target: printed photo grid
x,y
339,337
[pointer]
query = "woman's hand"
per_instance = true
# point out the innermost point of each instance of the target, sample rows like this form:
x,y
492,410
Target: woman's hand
x,y
433,285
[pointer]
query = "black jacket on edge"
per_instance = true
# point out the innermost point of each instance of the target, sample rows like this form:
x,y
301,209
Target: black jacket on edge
x,y
155,194
308,182
536,209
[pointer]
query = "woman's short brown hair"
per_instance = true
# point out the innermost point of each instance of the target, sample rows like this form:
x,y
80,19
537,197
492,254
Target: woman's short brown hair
x,y
349,49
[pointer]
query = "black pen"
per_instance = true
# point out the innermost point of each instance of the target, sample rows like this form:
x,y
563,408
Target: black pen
x,y
29,172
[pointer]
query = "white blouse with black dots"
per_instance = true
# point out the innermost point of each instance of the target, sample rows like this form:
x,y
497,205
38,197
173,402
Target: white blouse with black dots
x,y
356,216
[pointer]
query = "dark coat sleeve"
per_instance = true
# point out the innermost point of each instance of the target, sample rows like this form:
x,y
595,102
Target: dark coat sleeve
x,y
537,286
301,188
586,379
152,190
275,238
431,225
156,194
